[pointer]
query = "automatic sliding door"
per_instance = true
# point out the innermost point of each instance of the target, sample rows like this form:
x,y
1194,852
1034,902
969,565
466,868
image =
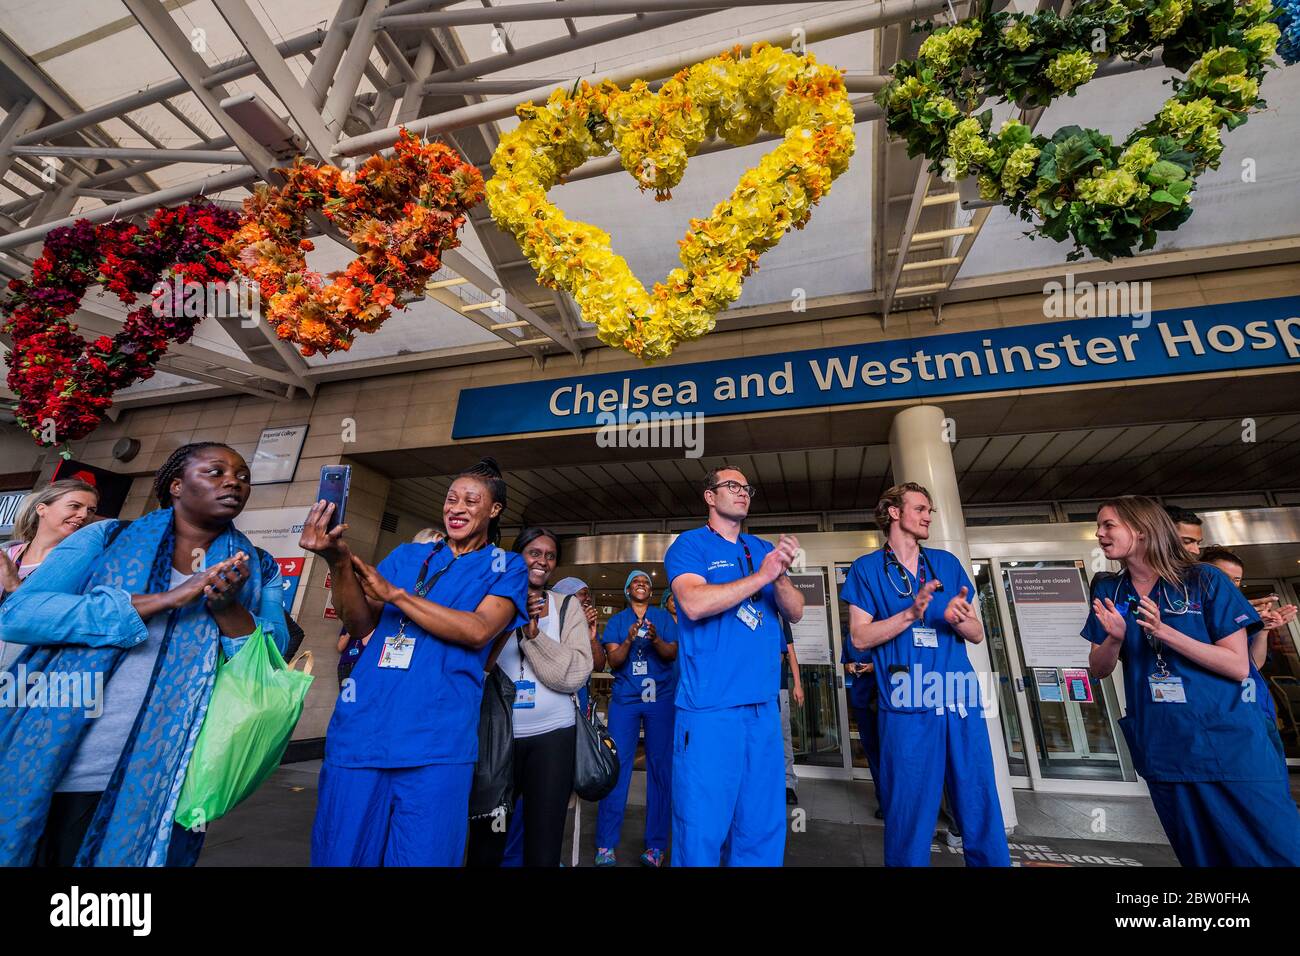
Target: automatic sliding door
x,y
1073,716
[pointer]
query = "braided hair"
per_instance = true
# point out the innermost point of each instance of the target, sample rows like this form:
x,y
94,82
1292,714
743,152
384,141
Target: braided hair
x,y
489,473
174,467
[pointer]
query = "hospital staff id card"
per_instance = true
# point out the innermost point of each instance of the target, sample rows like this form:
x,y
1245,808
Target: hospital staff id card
x,y
397,652
925,637
525,694
749,615
640,668
1167,689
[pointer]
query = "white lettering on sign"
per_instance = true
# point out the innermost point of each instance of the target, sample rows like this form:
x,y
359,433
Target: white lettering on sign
x,y
1075,351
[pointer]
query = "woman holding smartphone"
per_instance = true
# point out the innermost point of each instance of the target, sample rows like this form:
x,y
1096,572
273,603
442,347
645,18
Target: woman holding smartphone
x,y
1216,777
401,746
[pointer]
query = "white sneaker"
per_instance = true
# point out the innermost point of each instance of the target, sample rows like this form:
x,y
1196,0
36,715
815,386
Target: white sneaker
x,y
952,839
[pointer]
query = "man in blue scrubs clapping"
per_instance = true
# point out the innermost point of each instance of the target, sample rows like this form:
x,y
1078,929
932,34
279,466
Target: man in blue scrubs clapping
x,y
728,761
912,608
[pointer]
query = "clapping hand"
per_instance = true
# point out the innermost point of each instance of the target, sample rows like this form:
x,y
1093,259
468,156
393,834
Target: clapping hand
x,y
959,610
922,600
223,582
373,584
1111,620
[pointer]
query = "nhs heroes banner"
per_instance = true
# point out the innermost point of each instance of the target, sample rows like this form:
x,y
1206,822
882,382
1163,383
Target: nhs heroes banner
x,y
1240,335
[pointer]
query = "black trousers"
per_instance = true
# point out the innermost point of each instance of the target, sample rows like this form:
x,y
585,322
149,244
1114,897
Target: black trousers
x,y
65,828
68,820
544,778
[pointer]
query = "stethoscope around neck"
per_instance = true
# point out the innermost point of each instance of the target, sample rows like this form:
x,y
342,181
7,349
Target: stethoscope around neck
x,y
891,558
1175,608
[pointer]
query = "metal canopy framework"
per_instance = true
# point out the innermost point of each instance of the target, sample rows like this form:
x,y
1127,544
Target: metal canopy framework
x,y
342,85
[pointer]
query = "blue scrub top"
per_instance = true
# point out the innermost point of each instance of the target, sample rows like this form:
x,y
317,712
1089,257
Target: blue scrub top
x,y
429,712
1217,735
721,662
627,687
859,690
868,588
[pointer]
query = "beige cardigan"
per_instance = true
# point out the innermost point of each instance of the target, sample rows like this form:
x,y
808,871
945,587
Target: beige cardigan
x,y
563,666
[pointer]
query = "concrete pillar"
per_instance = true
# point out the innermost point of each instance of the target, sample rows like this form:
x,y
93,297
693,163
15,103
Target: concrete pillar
x,y
920,450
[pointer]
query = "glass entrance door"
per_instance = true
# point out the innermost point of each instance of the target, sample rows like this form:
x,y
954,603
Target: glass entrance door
x,y
1281,667
815,728
1033,619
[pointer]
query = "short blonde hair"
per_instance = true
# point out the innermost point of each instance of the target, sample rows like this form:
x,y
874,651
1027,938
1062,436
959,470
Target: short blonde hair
x,y
428,535
28,520
893,498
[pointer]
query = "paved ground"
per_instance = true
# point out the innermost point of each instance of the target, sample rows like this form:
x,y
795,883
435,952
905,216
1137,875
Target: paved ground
x,y
836,828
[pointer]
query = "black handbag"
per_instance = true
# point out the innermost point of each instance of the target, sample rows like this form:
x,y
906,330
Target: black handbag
x,y
595,768
493,791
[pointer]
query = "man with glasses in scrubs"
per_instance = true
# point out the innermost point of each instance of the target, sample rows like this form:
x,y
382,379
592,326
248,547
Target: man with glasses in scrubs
x,y
731,591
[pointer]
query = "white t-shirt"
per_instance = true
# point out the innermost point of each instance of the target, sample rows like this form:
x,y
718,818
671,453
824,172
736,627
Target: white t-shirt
x,y
9,652
552,710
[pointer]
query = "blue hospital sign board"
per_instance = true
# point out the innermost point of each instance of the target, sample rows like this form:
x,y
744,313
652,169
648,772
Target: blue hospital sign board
x,y
1212,338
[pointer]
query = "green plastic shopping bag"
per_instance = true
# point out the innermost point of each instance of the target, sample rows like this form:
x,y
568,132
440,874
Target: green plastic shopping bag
x,y
256,702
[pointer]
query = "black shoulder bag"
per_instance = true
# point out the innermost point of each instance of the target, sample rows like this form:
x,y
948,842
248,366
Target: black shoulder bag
x,y
595,765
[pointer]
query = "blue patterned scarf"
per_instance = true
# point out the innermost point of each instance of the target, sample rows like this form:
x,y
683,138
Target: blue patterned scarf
x,y
133,823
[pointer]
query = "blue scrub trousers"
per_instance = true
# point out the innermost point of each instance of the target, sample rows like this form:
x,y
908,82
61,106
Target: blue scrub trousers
x,y
916,752
625,721
869,735
728,785
405,816
1229,823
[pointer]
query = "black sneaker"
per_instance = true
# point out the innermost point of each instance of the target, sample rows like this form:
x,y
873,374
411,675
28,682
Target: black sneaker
x,y
791,798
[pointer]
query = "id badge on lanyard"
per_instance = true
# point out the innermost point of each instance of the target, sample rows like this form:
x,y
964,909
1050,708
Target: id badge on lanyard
x,y
749,612
925,637
398,648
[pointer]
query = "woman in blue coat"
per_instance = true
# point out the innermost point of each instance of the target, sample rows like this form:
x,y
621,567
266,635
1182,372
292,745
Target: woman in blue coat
x,y
641,648
1216,777
138,611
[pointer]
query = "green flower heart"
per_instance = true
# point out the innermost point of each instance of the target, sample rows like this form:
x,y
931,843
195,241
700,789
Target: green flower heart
x,y
1109,198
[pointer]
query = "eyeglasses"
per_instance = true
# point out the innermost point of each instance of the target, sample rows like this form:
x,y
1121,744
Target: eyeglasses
x,y
736,488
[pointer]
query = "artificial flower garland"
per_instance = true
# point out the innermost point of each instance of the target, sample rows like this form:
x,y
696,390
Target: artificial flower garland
x,y
400,212
1109,198
655,134
59,377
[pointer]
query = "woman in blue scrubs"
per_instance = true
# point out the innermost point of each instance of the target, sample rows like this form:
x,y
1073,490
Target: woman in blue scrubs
x,y
909,607
401,746
1201,742
641,647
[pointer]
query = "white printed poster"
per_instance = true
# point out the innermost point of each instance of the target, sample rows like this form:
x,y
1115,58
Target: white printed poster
x,y
812,635
1050,605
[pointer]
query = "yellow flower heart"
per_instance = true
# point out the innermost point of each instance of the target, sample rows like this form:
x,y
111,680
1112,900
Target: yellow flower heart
x,y
731,96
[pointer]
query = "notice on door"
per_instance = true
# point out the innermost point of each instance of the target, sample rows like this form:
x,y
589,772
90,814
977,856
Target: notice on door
x,y
1050,605
812,634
